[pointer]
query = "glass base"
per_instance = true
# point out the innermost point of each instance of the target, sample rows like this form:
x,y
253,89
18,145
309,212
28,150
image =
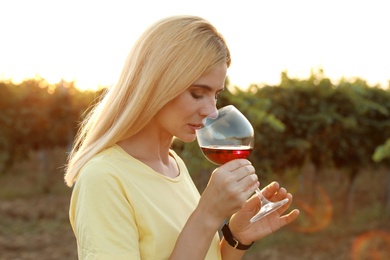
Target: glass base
x,y
268,209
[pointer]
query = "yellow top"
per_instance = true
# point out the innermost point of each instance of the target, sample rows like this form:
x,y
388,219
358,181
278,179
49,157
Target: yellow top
x,y
123,209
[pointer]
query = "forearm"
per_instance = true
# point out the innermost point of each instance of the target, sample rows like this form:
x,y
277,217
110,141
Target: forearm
x,y
196,237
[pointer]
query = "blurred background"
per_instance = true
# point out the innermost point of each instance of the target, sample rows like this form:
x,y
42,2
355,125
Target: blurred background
x,y
311,76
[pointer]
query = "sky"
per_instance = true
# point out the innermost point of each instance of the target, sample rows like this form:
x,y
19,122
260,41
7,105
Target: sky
x,y
87,41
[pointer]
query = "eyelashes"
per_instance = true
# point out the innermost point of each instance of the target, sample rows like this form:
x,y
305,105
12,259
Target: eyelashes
x,y
200,96
196,96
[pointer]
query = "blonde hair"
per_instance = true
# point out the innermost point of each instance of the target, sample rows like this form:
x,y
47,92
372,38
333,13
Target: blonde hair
x,y
167,58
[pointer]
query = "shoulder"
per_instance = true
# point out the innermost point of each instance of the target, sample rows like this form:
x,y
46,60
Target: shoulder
x,y
98,181
101,168
113,165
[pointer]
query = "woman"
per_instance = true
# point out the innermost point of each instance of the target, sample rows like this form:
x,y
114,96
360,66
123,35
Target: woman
x,y
133,197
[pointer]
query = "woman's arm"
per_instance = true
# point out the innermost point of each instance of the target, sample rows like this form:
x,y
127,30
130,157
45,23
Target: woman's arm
x,y
227,191
101,217
196,237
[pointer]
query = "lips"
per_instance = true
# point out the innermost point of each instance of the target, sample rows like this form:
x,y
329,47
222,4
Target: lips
x,y
196,126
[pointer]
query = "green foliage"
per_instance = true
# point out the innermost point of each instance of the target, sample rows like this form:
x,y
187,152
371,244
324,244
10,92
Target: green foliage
x,y
313,119
341,125
382,152
36,115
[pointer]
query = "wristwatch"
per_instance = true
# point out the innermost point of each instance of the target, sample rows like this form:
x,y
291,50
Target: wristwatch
x,y
227,234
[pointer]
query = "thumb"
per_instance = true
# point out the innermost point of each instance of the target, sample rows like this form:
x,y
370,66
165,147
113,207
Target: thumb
x,y
240,219
252,205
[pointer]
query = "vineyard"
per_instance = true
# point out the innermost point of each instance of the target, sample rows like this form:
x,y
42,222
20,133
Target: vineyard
x,y
328,143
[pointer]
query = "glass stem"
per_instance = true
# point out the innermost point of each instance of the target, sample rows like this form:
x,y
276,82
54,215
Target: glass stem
x,y
261,197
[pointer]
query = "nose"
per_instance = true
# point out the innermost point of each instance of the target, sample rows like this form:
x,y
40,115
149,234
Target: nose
x,y
213,115
210,111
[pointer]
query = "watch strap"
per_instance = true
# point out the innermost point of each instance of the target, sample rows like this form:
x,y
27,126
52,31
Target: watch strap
x,y
227,234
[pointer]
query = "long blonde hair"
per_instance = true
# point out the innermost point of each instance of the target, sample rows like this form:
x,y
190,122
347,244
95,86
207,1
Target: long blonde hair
x,y
168,57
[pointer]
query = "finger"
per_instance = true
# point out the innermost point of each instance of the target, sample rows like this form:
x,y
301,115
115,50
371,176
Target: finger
x,y
288,218
287,205
269,190
250,184
241,197
252,205
246,171
235,164
239,171
246,187
278,195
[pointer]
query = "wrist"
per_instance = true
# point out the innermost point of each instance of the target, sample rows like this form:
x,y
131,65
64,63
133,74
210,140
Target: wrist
x,y
208,214
232,241
209,220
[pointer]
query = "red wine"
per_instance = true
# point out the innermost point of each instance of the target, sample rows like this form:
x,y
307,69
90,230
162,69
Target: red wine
x,y
222,154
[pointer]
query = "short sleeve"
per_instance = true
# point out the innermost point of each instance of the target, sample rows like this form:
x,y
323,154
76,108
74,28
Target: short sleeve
x,y
101,215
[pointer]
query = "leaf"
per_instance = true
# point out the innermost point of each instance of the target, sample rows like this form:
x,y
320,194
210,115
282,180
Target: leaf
x,y
382,152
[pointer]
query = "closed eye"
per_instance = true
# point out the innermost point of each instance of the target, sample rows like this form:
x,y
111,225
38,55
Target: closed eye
x,y
198,91
196,95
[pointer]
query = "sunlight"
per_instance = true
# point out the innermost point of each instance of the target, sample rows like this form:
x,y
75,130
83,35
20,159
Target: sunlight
x,y
373,244
315,215
68,39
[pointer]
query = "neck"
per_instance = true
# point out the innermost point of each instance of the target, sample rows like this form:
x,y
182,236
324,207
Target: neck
x,y
152,150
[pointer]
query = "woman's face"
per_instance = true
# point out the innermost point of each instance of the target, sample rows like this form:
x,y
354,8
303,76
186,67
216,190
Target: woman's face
x,y
185,113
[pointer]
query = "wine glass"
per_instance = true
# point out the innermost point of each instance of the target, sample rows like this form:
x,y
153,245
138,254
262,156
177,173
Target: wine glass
x,y
227,136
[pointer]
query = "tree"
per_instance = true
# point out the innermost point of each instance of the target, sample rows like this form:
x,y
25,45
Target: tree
x,y
37,116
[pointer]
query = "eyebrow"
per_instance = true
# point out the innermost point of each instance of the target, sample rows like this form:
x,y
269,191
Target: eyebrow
x,y
207,87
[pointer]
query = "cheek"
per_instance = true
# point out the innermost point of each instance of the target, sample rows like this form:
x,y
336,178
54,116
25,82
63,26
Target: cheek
x,y
184,107
187,110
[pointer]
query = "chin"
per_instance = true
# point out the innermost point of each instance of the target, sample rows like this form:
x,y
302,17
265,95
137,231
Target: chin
x,y
186,139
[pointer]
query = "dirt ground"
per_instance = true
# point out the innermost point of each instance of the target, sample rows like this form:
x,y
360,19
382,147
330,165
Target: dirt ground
x,y
38,228
34,223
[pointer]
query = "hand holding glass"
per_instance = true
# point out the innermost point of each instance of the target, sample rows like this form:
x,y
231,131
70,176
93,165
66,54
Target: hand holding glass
x,y
230,136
